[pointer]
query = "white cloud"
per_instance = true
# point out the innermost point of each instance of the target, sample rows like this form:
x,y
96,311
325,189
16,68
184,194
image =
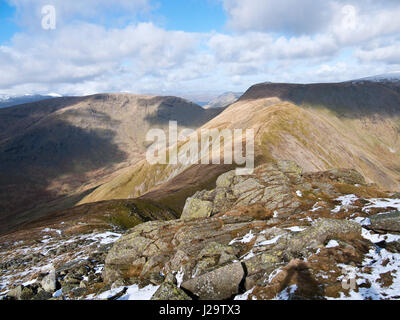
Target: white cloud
x,y
307,16
286,40
29,12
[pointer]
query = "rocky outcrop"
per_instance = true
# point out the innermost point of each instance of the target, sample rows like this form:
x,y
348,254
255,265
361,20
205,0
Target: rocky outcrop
x,y
273,186
220,284
278,233
237,236
389,222
274,189
189,246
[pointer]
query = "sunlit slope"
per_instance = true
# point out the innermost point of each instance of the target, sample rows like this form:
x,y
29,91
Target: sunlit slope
x,y
317,137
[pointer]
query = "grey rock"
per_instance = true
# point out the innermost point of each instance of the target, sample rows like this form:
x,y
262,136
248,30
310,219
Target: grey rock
x,y
389,222
220,284
169,292
196,208
49,282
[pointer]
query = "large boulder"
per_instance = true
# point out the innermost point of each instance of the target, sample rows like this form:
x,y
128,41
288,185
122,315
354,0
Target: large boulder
x,y
197,208
49,282
220,284
318,235
389,222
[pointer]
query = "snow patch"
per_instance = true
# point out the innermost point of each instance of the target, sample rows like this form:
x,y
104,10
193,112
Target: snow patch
x,y
332,244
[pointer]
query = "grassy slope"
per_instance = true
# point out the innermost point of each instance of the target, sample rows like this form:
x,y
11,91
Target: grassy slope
x,y
316,137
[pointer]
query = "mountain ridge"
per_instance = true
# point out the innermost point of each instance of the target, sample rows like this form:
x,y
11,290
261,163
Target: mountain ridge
x,y
59,147
319,132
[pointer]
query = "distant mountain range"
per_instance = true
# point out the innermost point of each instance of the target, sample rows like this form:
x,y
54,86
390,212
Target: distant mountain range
x,y
324,194
58,152
387,77
320,126
223,100
9,101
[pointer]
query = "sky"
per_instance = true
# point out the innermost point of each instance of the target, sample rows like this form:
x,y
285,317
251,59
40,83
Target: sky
x,y
191,47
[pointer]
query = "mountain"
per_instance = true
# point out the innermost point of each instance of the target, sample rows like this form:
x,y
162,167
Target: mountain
x,y
387,77
317,219
320,126
53,151
9,101
223,100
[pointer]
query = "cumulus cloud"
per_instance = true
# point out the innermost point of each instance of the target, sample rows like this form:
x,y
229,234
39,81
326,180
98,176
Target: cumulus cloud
x,y
83,52
29,12
296,17
92,51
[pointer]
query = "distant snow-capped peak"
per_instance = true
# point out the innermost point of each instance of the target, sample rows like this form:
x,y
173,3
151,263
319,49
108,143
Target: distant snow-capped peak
x,y
55,95
387,77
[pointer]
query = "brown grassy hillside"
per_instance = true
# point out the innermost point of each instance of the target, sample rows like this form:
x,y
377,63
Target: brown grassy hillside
x,y
322,126
62,147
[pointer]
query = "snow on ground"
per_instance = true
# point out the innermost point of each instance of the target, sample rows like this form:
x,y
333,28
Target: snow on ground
x,y
346,202
244,296
299,193
78,248
377,262
179,277
246,239
132,293
295,229
269,242
332,244
285,294
382,204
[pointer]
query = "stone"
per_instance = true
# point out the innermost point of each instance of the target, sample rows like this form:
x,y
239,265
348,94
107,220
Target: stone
x,y
49,282
389,222
170,292
225,180
349,176
179,242
317,235
15,293
42,295
196,208
246,186
220,284
26,294
288,166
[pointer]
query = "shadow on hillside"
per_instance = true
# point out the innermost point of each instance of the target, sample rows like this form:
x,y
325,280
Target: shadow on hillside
x,y
186,113
55,150
348,99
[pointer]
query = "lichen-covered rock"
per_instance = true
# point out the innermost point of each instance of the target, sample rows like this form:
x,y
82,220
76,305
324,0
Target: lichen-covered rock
x,y
349,176
225,180
170,292
169,246
49,282
196,208
246,186
220,284
317,235
288,166
389,222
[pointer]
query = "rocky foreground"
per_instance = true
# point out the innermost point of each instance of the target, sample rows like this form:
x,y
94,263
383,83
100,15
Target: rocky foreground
x,y
277,234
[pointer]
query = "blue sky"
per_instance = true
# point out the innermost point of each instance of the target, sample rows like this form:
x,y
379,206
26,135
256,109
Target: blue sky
x,y
193,47
7,22
192,15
